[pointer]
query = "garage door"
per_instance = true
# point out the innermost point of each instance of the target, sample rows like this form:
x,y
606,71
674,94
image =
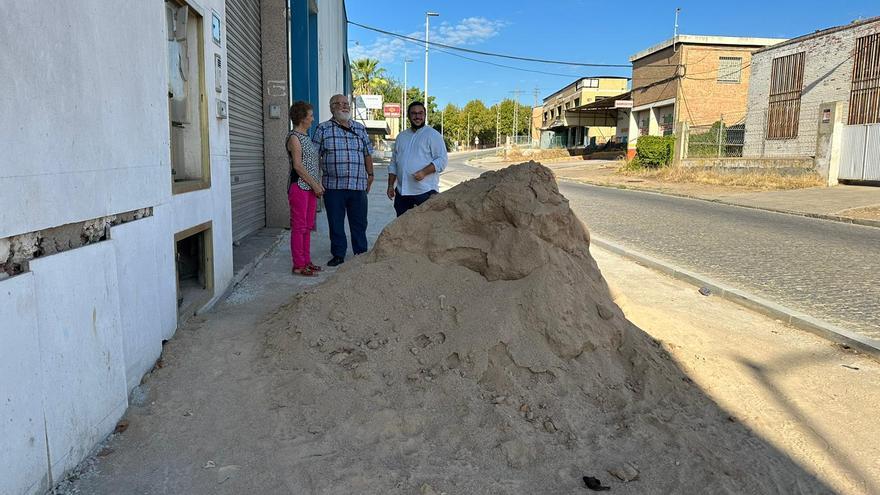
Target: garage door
x,y
245,79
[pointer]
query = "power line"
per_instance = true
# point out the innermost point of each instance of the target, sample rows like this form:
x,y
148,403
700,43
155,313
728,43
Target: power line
x,y
505,66
489,54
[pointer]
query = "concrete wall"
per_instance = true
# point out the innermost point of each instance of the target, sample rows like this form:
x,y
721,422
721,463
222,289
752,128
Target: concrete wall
x,y
800,164
85,104
66,95
827,78
276,93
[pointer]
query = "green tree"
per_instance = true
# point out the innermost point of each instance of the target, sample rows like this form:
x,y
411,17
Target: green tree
x,y
367,77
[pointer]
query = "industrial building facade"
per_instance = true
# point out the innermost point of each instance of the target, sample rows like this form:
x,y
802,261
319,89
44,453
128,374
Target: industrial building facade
x,y
144,139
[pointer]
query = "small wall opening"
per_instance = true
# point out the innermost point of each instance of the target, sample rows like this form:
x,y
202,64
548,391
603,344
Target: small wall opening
x,y
194,267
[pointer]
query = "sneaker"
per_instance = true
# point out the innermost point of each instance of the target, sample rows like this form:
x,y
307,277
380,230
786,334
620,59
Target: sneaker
x,y
336,261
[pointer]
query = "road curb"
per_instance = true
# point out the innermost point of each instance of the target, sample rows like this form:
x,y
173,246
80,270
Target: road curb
x,y
794,318
820,216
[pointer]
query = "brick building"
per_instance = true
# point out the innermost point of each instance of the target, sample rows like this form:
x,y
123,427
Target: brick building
x,y
801,88
693,79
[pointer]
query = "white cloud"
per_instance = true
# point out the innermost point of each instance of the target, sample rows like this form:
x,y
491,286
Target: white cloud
x,y
384,48
468,31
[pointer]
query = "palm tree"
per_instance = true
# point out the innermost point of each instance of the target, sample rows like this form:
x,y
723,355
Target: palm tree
x,y
368,77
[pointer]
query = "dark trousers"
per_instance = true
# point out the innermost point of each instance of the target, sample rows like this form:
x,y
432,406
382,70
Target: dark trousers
x,y
402,204
339,204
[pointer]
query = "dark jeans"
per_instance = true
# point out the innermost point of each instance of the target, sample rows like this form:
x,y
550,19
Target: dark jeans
x,y
402,204
342,202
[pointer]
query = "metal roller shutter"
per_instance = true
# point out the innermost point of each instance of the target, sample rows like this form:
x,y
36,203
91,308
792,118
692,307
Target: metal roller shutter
x,y
245,80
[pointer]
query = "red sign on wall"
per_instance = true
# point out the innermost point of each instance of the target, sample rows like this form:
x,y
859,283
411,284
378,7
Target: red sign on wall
x,y
391,110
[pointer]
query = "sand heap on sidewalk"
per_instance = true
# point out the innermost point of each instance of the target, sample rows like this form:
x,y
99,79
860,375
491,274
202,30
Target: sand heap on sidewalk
x,y
476,349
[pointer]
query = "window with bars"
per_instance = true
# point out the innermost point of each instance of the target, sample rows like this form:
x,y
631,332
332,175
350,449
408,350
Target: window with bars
x,y
730,70
864,100
786,84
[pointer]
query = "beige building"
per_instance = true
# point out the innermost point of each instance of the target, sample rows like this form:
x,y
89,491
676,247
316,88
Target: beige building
x,y
694,79
562,126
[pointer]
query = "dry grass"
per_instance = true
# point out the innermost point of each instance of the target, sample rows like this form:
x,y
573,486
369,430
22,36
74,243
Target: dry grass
x,y
761,179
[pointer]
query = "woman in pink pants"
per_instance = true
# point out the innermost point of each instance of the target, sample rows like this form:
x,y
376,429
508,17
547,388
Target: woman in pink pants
x,y
304,190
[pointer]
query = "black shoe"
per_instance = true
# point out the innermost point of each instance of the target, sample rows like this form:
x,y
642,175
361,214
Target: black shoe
x,y
336,261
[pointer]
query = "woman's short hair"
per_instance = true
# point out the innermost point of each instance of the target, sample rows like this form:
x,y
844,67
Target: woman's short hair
x,y
298,111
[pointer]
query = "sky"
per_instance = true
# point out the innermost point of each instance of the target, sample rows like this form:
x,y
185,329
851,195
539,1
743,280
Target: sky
x,y
567,30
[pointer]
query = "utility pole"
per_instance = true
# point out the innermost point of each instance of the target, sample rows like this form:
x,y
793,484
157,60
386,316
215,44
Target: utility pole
x,y
403,115
497,122
516,94
675,28
442,114
428,16
469,129
535,92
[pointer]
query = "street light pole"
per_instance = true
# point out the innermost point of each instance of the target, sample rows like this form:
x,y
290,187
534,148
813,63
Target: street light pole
x,y
428,16
441,123
406,60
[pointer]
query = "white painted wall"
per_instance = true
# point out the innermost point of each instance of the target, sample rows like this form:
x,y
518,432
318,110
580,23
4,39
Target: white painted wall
x,y
79,120
331,47
23,467
81,350
84,105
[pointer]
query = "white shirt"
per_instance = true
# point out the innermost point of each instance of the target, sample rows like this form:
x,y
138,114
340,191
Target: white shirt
x,y
413,151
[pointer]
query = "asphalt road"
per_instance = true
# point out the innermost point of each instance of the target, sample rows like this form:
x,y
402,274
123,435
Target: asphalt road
x,y
826,269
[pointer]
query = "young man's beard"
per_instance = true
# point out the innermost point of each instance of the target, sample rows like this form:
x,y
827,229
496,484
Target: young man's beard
x,y
414,126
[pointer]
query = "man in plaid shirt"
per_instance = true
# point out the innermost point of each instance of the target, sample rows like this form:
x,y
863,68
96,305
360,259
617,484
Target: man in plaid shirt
x,y
345,152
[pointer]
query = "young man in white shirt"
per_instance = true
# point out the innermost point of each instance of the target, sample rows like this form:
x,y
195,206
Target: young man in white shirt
x,y
418,158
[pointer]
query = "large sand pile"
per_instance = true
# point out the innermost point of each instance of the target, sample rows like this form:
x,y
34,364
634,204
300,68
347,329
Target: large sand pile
x,y
476,350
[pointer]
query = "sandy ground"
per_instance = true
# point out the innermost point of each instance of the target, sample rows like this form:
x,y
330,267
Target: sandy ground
x,y
201,425
808,397
867,213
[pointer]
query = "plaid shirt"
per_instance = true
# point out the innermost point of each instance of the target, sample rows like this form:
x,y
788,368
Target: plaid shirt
x,y
342,151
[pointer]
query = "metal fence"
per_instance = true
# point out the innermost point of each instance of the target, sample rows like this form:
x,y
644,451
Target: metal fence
x,y
523,141
720,140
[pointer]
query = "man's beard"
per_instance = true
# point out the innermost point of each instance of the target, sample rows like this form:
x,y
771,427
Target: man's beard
x,y
416,127
342,115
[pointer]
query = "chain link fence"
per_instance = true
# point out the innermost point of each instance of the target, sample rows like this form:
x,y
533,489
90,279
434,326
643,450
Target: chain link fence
x,y
719,140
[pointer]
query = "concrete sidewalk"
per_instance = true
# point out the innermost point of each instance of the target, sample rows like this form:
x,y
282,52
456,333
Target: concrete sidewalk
x,y
843,203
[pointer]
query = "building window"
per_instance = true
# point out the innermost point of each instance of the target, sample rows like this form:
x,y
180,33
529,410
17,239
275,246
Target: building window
x,y
187,102
588,83
730,69
577,102
864,100
786,84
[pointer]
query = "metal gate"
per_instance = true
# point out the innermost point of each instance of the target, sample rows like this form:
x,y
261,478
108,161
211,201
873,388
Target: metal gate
x,y
860,152
245,80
